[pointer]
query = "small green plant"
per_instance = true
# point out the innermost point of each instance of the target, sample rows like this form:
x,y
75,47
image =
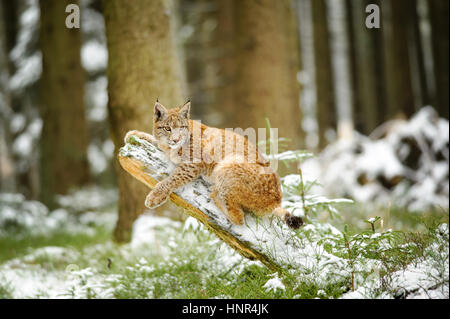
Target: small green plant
x,y
372,222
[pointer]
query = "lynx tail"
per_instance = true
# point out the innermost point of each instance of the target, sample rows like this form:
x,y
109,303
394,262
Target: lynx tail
x,y
293,222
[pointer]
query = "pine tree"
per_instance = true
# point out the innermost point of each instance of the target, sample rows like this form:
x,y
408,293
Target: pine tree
x,y
326,113
266,65
142,67
64,138
400,94
439,15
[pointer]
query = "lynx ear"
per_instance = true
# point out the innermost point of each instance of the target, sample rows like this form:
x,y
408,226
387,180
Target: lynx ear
x,y
185,109
160,112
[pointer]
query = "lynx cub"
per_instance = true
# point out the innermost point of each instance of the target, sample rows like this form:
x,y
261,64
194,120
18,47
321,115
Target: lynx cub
x,y
242,179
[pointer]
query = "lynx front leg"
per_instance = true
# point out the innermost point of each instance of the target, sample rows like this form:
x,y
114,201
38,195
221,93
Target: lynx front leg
x,y
182,175
157,197
143,135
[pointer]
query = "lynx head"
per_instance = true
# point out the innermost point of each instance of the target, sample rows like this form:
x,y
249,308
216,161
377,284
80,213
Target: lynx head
x,y
171,127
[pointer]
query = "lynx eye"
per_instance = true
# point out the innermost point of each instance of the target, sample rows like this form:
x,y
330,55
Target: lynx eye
x,y
167,128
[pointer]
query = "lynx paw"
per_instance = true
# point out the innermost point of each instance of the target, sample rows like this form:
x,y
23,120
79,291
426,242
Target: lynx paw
x,y
155,199
127,136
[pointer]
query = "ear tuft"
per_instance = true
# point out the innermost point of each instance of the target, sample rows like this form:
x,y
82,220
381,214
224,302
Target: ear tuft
x,y
160,111
185,109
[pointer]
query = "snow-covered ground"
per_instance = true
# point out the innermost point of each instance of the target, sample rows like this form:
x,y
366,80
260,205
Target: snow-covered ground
x,y
83,274
29,218
422,279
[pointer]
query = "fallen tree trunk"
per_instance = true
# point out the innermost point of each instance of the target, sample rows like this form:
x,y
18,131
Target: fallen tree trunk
x,y
266,239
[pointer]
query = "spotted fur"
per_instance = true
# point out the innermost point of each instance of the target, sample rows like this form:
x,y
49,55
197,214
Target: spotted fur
x,y
241,181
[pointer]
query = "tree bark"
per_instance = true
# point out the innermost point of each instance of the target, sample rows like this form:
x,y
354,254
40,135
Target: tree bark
x,y
398,70
325,109
10,16
439,15
7,169
225,63
420,77
356,95
142,67
367,75
64,138
265,83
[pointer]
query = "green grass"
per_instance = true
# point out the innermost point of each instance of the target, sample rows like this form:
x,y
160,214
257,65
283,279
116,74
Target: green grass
x,y
396,218
13,247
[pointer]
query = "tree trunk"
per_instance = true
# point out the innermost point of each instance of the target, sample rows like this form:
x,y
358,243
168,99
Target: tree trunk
x,y
341,59
225,63
419,74
307,79
64,138
265,82
142,66
439,15
7,170
199,55
325,109
10,16
356,100
367,70
398,73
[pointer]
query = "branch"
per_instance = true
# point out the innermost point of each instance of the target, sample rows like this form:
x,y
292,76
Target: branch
x,y
265,239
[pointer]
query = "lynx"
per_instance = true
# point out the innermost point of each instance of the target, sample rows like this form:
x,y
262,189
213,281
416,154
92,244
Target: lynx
x,y
242,179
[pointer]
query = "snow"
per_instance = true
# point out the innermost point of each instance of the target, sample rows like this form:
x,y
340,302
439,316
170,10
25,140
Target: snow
x,y
87,198
191,224
19,216
94,56
23,144
143,229
424,278
97,160
274,284
97,99
407,165
17,123
29,277
29,65
29,71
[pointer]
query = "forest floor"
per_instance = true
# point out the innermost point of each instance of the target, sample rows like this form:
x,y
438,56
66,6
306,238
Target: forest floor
x,y
57,255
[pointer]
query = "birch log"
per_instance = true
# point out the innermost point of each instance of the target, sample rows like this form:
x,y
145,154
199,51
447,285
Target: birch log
x,y
266,239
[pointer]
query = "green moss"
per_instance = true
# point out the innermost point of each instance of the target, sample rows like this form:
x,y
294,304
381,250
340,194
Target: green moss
x,y
133,140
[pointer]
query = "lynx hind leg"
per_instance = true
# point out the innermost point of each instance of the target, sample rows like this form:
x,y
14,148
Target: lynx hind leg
x,y
235,213
232,211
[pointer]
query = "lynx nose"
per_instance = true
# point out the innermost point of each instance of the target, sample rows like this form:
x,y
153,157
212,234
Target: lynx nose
x,y
176,139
